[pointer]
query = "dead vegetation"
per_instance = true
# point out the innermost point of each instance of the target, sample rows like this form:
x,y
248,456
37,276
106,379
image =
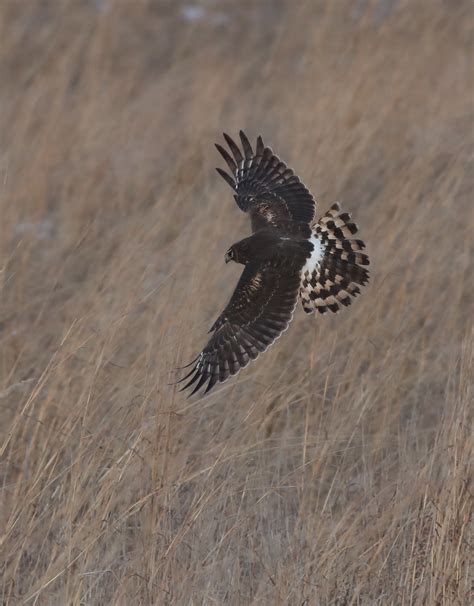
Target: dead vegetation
x,y
337,469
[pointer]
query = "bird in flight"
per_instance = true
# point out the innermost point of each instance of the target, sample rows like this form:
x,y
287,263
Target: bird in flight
x,y
287,257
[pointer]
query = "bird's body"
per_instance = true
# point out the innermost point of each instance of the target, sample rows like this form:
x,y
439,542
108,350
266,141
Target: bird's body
x,y
287,257
273,247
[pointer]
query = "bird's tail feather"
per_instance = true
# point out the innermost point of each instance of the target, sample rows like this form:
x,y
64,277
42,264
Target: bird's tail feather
x,y
334,277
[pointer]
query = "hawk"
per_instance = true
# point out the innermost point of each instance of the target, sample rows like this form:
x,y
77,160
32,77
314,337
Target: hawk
x,y
287,257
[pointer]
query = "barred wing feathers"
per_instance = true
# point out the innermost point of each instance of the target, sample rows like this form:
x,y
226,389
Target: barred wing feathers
x,y
264,185
260,309
332,277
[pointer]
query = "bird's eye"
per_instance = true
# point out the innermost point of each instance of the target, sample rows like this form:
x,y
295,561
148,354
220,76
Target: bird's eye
x,y
230,253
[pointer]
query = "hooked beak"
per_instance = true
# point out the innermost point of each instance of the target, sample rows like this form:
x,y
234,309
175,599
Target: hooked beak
x,y
227,258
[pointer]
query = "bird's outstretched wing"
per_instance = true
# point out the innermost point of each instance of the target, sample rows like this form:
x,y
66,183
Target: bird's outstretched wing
x,y
264,186
260,309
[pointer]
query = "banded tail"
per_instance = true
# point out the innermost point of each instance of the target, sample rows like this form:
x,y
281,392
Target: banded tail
x,y
334,272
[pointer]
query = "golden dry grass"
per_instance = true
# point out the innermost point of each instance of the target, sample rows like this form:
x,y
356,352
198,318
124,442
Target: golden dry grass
x,y
338,468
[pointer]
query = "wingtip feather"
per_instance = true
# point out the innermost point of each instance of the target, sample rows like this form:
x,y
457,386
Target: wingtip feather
x,y
234,148
227,178
227,157
248,151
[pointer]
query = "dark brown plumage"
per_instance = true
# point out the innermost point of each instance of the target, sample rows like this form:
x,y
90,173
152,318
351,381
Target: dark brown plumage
x,y
265,187
284,257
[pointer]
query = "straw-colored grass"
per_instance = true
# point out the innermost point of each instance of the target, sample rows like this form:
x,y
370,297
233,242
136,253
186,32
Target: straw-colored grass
x,y
337,469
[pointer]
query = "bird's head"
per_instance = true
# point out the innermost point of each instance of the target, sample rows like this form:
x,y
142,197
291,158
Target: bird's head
x,y
240,252
231,255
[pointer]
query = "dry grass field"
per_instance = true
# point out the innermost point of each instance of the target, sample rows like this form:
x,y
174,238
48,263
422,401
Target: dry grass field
x,y
338,468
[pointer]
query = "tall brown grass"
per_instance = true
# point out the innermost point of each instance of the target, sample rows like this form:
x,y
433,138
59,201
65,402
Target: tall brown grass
x,y
338,468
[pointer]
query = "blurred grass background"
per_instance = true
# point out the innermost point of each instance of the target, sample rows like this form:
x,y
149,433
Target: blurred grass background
x,y
338,468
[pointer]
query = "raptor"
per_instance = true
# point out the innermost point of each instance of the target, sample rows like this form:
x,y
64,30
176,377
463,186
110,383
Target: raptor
x,y
287,257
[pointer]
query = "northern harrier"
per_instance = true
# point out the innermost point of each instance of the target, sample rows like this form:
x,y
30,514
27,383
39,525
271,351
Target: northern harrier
x,y
286,257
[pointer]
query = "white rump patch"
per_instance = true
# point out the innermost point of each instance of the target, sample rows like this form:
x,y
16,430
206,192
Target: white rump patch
x,y
317,255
